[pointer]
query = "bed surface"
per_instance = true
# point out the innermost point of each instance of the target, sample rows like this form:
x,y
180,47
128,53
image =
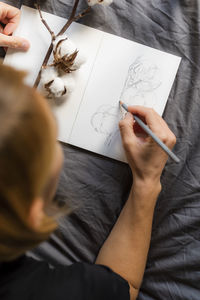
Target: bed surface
x,y
97,187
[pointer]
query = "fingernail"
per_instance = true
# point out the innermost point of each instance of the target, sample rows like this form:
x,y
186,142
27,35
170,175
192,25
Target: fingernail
x,y
25,45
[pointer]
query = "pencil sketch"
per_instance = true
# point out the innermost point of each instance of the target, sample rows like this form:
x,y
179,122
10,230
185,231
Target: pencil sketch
x,y
105,121
141,82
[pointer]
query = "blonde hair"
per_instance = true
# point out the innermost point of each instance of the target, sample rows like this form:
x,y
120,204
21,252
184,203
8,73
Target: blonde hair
x,y
26,152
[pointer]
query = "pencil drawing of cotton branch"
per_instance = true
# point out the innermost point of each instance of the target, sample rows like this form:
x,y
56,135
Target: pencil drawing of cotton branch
x,y
67,58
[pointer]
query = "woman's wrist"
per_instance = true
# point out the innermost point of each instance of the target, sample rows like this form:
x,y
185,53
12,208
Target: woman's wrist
x,y
147,185
146,192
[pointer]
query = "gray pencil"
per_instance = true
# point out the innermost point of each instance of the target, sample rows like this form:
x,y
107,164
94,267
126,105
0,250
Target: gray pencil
x,y
154,137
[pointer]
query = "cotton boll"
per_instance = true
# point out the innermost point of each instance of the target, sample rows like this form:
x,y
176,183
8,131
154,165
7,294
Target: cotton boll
x,y
48,74
69,83
79,60
66,46
57,88
103,2
92,2
106,2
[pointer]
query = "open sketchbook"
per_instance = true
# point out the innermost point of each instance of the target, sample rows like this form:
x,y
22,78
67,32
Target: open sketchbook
x,y
116,69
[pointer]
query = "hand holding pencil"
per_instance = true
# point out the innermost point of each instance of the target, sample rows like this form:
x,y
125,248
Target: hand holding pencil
x,y
146,158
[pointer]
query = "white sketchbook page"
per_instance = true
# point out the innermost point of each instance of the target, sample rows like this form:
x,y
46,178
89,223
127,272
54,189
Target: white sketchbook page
x,y
107,80
123,70
86,38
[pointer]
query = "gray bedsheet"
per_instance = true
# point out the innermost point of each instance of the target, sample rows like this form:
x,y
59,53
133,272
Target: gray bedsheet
x,y
98,187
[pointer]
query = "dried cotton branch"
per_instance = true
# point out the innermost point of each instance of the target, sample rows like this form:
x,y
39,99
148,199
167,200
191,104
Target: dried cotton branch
x,y
73,17
56,78
44,22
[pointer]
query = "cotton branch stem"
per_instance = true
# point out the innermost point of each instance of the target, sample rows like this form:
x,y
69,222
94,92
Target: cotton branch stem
x,y
71,19
44,22
45,61
81,15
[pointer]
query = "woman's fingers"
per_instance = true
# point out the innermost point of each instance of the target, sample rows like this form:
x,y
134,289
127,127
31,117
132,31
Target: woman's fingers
x,y
148,114
155,123
1,28
14,42
126,129
10,28
10,16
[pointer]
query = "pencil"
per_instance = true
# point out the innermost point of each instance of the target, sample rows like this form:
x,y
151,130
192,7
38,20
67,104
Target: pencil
x,y
154,137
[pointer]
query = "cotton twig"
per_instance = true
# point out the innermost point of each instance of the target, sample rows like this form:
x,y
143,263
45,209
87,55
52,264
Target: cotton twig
x,y
81,15
71,19
75,18
45,61
44,22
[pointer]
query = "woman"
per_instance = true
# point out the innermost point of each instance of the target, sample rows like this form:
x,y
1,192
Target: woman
x,y
30,162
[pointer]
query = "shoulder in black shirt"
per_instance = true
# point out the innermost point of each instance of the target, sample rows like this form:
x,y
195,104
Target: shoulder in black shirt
x,y
29,279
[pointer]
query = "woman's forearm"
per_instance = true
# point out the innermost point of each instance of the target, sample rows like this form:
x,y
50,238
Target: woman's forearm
x,y
126,248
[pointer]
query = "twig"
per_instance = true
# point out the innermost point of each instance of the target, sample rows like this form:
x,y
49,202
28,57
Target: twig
x,y
75,18
81,15
45,61
44,22
71,19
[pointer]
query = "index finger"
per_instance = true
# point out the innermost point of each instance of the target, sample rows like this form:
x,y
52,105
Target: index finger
x,y
154,121
10,16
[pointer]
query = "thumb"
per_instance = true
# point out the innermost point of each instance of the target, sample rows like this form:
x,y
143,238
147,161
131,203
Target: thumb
x,y
14,42
126,129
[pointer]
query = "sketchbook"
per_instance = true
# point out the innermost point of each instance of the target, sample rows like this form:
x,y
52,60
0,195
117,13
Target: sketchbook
x,y
115,69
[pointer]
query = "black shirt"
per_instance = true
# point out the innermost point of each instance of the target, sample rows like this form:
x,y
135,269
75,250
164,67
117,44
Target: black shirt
x,y
29,279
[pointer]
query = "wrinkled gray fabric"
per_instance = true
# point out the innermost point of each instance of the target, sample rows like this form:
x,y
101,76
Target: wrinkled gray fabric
x,y
98,187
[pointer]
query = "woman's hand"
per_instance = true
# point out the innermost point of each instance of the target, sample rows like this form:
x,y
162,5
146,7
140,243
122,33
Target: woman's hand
x,y
125,250
10,16
145,157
